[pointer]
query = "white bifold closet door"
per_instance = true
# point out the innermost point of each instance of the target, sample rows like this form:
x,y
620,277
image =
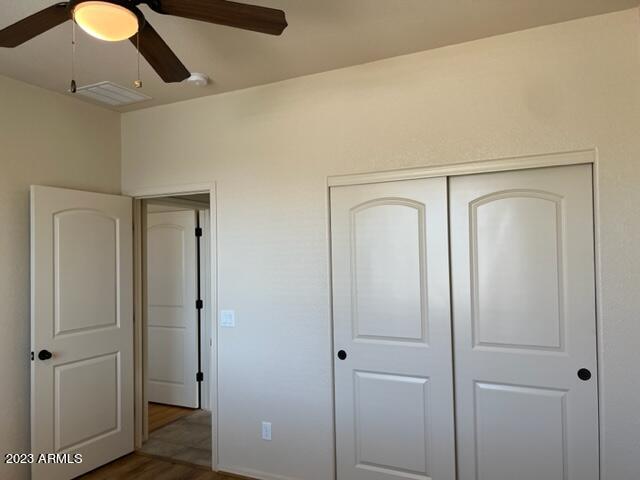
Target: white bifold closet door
x,y
172,322
522,260
394,393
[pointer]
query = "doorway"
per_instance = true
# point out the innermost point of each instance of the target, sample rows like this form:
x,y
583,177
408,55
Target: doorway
x,y
177,334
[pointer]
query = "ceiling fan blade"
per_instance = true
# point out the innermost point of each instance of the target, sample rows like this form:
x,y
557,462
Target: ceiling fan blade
x,y
223,12
154,49
34,25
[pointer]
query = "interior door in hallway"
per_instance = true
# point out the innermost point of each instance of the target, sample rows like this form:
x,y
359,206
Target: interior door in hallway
x,y
392,331
522,254
172,318
81,329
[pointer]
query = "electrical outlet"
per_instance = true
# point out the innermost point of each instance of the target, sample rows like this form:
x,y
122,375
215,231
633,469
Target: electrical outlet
x,y
266,430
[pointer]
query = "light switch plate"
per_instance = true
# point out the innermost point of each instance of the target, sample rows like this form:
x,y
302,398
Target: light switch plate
x,y
227,318
266,431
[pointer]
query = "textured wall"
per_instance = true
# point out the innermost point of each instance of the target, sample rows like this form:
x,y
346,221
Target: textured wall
x,y
562,87
48,139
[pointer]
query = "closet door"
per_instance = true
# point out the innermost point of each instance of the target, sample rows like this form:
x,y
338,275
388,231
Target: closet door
x,y
524,325
392,327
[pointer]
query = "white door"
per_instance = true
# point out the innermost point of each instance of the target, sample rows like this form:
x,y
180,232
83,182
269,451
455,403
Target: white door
x,y
172,318
524,325
393,390
81,314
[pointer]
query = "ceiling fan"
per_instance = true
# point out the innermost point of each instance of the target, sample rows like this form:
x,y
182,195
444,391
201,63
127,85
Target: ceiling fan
x,y
115,20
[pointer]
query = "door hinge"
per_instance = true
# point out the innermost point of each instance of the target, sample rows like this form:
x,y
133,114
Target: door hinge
x,y
199,377
198,232
199,304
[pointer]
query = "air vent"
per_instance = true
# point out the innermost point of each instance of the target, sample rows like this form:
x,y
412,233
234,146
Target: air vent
x,y
112,94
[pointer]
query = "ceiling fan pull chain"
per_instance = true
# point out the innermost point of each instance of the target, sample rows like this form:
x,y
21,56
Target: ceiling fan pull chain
x,y
73,87
138,82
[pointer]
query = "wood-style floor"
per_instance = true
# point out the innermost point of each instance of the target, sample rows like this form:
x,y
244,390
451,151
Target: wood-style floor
x,y
138,466
161,415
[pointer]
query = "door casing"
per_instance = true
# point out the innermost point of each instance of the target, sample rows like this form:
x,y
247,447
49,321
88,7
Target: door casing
x,y
140,301
525,162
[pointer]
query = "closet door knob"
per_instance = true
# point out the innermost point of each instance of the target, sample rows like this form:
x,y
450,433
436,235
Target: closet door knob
x,y
342,354
584,374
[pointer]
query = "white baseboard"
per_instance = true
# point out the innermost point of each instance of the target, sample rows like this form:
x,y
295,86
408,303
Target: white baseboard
x,y
247,472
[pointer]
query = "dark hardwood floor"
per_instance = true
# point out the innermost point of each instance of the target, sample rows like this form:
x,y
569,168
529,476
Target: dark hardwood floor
x,y
138,466
142,466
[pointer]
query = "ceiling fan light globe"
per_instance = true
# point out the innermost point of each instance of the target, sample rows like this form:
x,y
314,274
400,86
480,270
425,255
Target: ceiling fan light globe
x,y
106,21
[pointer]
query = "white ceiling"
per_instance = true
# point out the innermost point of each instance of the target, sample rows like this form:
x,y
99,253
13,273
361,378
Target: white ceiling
x,y
322,35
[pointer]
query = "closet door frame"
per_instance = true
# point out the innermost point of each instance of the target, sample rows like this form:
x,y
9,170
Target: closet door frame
x,y
525,162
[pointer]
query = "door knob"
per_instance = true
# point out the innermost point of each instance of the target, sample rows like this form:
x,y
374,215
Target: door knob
x,y
44,355
584,374
342,354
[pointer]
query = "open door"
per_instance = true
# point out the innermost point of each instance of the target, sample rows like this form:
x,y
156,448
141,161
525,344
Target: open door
x,y
81,329
172,318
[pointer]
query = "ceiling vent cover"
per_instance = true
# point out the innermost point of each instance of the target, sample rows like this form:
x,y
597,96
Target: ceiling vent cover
x,y
112,94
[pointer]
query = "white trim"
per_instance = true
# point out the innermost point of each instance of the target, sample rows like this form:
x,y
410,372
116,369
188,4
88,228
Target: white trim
x,y
178,203
595,174
468,168
334,428
213,291
141,414
247,472
206,339
169,190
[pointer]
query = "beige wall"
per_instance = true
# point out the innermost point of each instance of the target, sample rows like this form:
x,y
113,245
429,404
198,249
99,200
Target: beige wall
x,y
556,88
48,139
